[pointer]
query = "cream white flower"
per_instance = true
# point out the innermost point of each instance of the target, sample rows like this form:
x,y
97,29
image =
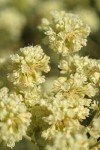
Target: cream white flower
x,y
69,103
65,32
55,113
75,87
14,118
27,66
32,96
69,141
87,67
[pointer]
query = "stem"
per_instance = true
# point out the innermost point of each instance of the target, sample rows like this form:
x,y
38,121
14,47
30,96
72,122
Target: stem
x,y
95,145
30,139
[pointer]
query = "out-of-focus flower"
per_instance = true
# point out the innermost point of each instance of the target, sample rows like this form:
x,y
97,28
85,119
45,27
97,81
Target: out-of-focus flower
x,y
92,19
24,6
11,24
44,8
3,2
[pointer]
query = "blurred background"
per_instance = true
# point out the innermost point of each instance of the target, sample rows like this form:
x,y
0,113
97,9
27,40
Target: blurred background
x,y
19,21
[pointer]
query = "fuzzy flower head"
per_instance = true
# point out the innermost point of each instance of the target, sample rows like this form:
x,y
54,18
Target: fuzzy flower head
x,y
69,141
69,103
14,118
32,96
71,98
87,67
65,32
27,66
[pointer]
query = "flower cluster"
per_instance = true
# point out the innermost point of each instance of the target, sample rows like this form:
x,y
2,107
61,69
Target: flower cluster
x,y
55,116
14,117
70,103
74,141
75,93
26,67
87,67
65,32
19,101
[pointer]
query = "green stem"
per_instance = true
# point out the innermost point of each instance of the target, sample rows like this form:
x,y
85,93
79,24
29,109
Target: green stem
x,y
30,139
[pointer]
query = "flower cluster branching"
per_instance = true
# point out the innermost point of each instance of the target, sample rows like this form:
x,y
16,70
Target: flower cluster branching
x,y
55,117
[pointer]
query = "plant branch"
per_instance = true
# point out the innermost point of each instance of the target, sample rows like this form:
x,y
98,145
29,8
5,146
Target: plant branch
x,y
30,139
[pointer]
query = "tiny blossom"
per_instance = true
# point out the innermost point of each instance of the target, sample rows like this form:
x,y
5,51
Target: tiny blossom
x,y
27,66
69,141
65,32
14,118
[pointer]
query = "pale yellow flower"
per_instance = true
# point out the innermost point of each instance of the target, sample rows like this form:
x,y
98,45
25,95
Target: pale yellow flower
x,y
69,141
14,118
26,67
65,32
87,67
